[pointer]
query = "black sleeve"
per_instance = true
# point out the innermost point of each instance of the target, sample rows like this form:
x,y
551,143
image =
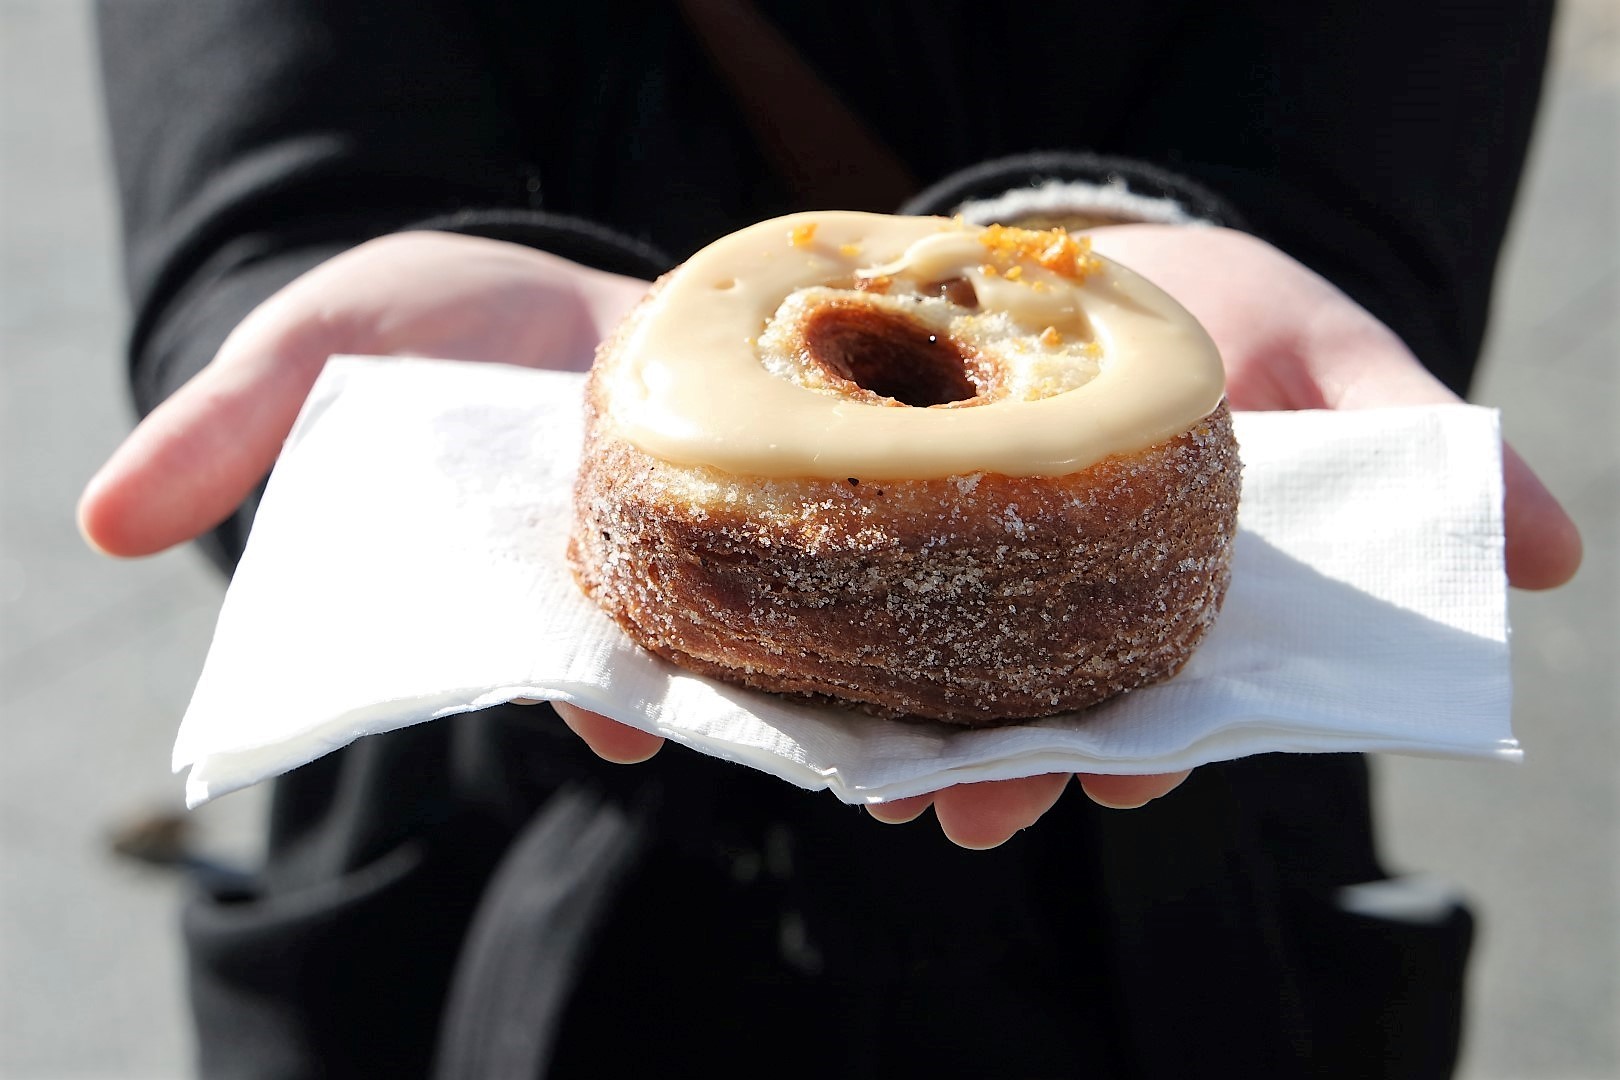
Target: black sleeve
x,y
254,140
1076,190
1380,144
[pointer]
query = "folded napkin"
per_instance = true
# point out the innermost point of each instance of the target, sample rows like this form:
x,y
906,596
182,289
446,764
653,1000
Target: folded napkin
x,y
407,564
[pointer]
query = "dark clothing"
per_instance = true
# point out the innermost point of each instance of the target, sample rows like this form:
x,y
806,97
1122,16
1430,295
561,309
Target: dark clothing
x,y
692,911
1378,143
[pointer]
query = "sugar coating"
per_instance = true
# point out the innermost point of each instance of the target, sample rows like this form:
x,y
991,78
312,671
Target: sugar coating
x,y
973,599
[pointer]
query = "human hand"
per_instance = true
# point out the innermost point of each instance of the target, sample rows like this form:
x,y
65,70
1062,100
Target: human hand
x,y
1289,340
190,463
982,815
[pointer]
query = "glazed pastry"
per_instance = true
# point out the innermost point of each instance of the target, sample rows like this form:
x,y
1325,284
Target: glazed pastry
x,y
923,468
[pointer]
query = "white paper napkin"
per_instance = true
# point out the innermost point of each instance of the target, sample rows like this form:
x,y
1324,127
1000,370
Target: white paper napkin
x,y
407,564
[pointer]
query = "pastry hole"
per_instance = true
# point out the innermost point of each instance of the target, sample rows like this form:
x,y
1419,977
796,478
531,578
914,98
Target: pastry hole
x,y
958,291
726,284
889,355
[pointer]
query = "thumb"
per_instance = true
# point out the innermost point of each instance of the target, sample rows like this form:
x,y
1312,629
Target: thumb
x,y
1543,546
193,460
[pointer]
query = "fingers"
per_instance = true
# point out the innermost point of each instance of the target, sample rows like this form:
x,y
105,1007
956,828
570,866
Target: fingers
x,y
193,460
900,811
1543,544
984,815
1129,792
974,816
609,739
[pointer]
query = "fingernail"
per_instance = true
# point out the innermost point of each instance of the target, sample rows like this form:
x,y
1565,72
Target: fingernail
x,y
1117,805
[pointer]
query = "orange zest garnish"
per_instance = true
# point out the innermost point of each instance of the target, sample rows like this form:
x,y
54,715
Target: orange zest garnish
x,y
802,234
1053,249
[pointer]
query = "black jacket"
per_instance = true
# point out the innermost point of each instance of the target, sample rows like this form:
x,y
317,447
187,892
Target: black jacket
x,y
688,910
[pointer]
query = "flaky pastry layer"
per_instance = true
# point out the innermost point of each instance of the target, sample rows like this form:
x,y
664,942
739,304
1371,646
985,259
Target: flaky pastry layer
x,y
975,599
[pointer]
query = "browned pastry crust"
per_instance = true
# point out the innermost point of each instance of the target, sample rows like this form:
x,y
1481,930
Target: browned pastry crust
x,y
977,600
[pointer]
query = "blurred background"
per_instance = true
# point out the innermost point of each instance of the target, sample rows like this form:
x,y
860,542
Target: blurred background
x,y
97,658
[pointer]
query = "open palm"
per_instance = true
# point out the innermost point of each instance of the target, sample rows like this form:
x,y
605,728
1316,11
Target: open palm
x,y
197,456
1289,340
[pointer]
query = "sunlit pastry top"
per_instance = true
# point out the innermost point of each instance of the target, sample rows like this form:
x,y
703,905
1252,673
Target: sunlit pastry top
x,y
1068,357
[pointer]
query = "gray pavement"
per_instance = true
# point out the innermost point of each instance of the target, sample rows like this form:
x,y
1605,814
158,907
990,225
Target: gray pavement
x,y
97,658
1538,845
